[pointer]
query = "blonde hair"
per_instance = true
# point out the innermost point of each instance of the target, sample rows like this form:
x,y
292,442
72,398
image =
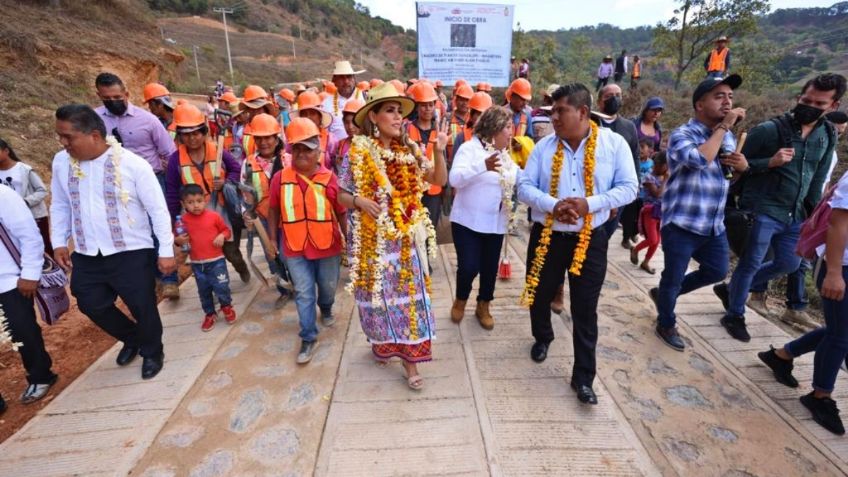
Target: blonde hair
x,y
492,121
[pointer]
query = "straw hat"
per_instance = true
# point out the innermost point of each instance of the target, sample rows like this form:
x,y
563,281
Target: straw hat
x,y
343,68
384,93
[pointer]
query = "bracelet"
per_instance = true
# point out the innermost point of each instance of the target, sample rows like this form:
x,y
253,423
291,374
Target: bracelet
x,y
723,126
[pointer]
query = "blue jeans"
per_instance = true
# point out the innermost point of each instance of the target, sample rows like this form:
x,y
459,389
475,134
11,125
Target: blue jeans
x,y
306,275
796,287
212,277
751,273
476,254
830,342
679,246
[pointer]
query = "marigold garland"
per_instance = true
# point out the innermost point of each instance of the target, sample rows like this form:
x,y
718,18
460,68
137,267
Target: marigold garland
x,y
336,103
394,179
115,157
585,235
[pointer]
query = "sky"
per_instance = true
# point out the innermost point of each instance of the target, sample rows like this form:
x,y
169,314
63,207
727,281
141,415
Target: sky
x,y
537,14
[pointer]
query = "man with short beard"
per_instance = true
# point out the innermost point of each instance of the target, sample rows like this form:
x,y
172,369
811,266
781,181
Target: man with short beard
x,y
344,79
790,158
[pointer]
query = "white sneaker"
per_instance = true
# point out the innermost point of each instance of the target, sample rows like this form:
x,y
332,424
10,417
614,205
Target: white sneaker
x,y
34,392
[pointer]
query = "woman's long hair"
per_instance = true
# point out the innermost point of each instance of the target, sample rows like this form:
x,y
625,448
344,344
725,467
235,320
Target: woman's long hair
x,y
369,127
5,145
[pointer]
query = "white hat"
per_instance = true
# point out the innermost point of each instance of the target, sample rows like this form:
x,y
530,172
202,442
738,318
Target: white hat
x,y
343,68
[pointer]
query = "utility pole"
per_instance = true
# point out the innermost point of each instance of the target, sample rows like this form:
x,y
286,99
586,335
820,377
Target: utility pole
x,y
224,12
294,53
196,67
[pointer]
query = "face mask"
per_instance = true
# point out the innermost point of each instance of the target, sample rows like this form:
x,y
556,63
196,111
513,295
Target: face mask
x,y
612,105
806,114
115,106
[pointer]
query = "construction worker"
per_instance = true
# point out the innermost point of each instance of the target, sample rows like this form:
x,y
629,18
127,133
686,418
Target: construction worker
x,y
399,87
195,162
257,171
285,102
461,96
636,72
350,109
479,103
304,204
717,63
540,121
518,95
424,131
255,101
309,106
484,87
226,99
158,101
442,103
344,81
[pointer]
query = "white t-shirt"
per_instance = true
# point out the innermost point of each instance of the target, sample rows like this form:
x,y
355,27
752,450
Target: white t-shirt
x,y
839,201
14,178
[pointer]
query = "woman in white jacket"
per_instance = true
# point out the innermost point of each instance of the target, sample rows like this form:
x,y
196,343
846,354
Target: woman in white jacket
x,y
483,175
26,182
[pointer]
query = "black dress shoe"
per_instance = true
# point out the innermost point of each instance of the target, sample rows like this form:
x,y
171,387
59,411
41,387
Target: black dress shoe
x,y
585,393
150,367
539,351
127,354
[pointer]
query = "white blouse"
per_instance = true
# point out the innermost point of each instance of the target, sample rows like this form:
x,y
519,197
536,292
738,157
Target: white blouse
x,y
478,204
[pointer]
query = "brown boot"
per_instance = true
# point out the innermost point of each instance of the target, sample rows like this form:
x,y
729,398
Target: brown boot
x,y
483,315
458,310
557,306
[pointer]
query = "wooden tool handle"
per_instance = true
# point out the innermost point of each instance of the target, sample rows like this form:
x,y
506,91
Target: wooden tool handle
x,y
741,142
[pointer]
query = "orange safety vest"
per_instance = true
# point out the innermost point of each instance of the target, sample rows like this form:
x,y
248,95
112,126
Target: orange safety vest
x,y
429,150
637,70
467,133
259,181
248,144
717,60
522,124
190,172
306,215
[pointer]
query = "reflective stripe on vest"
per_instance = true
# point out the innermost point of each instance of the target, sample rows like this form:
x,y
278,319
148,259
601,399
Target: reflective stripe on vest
x,y
521,129
259,181
248,144
717,60
306,215
190,172
429,151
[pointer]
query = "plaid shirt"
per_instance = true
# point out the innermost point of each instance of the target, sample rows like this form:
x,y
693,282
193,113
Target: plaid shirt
x,y
696,192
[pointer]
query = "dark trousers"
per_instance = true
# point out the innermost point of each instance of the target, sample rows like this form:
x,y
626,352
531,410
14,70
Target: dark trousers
x,y
830,342
20,315
601,82
476,253
618,76
212,277
433,203
97,281
585,290
43,224
630,219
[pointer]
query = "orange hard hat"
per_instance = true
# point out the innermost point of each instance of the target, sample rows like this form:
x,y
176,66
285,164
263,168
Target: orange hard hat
x,y
459,83
398,86
301,129
329,87
522,88
264,125
323,95
423,92
352,106
311,100
464,91
363,86
254,93
480,101
229,97
154,90
287,94
188,118
376,82
483,86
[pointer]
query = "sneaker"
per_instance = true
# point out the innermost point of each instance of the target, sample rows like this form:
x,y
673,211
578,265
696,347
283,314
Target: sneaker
x,y
34,392
824,412
284,298
626,244
328,319
723,294
654,293
735,326
208,322
307,349
757,302
796,317
229,314
670,337
781,368
171,291
244,275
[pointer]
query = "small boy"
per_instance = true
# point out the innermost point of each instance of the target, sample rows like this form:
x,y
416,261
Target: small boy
x,y
646,152
206,233
307,216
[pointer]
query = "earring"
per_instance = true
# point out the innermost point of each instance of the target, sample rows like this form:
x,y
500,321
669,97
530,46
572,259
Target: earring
x,y
376,131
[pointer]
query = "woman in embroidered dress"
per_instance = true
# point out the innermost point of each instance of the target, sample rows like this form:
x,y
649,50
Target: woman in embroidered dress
x,y
383,180
483,176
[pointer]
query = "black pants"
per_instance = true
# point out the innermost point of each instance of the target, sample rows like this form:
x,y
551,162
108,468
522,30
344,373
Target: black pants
x,y
20,315
630,219
433,203
618,76
97,281
476,253
585,292
601,82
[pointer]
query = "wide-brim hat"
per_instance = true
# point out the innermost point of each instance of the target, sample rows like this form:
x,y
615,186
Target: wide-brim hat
x,y
326,118
255,104
382,94
343,68
721,38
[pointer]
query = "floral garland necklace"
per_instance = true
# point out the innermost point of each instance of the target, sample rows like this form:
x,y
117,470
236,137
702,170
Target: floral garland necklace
x,y
507,175
585,235
394,178
336,103
115,157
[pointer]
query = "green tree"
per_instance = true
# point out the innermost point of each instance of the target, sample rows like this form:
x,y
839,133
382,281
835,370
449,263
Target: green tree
x,y
688,35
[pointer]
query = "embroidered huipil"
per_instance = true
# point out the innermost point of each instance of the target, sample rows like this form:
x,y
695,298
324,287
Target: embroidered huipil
x,y
102,217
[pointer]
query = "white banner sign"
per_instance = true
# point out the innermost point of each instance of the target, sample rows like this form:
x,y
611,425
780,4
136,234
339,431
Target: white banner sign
x,y
465,40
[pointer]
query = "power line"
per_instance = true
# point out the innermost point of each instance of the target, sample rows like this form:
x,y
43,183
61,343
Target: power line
x,y
224,12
